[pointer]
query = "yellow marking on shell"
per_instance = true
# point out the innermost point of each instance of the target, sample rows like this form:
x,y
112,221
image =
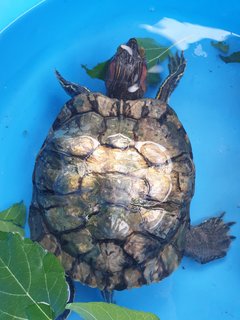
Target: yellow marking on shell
x,y
169,190
152,218
159,178
77,145
78,242
94,141
66,182
85,145
160,182
106,159
139,144
155,153
118,140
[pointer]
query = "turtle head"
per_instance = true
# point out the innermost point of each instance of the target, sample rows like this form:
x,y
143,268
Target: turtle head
x,y
127,71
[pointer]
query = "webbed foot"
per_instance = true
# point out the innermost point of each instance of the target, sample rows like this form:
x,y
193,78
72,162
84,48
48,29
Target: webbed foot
x,y
209,240
72,89
176,67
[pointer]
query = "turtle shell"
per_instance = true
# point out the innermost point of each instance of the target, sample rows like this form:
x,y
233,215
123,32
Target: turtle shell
x,y
112,187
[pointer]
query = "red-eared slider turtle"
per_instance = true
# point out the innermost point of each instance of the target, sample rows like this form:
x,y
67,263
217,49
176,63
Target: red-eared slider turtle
x,y
114,179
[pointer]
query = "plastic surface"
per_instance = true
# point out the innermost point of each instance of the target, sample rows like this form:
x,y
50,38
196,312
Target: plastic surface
x,y
64,34
11,10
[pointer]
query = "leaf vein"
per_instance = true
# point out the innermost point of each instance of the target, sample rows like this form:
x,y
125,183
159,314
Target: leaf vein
x,y
13,294
100,307
24,290
11,315
29,270
89,313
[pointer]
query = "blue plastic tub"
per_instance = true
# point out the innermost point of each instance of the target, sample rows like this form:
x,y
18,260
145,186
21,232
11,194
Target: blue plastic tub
x,y
64,34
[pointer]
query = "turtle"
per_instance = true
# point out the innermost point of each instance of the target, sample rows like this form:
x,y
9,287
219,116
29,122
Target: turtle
x,y
114,179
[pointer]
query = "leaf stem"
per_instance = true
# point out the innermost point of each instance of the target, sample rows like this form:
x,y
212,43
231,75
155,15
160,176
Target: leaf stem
x,y
168,48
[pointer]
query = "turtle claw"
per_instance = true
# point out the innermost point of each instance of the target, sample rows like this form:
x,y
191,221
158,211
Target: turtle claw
x,y
72,89
231,223
222,214
174,62
209,240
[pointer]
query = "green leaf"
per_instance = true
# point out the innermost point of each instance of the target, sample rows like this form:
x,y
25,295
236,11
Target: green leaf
x,y
8,226
35,311
234,57
153,79
220,45
13,219
155,53
107,311
16,214
30,279
99,71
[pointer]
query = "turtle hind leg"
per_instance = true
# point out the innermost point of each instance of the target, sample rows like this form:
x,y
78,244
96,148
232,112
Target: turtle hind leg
x,y
209,240
72,89
176,66
107,295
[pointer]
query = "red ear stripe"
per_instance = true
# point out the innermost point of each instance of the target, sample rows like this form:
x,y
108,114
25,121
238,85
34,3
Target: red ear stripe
x,y
143,77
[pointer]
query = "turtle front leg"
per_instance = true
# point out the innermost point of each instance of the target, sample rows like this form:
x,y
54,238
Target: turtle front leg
x,y
176,66
209,240
72,89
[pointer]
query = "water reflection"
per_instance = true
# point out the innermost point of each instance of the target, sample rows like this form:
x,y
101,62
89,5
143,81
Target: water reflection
x,y
183,33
